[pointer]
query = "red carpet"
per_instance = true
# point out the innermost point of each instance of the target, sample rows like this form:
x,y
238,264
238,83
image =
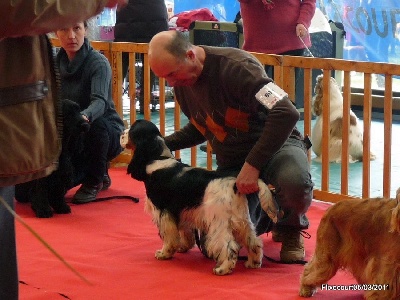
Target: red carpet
x,y
112,244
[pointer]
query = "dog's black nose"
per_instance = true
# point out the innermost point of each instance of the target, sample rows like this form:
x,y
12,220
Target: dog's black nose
x,y
85,127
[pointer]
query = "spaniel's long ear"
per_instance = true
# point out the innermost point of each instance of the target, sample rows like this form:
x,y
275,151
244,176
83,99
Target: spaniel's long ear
x,y
148,147
317,99
145,152
395,218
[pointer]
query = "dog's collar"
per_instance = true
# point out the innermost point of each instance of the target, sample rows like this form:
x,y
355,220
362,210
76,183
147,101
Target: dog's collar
x,y
162,157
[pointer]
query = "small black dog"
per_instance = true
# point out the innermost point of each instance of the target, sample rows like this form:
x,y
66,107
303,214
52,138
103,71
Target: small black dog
x,y
47,194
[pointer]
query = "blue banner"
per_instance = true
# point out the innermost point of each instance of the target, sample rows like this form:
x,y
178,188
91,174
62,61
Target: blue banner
x,y
372,28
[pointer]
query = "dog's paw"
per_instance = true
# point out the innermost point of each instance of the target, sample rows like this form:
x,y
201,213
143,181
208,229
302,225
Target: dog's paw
x,y
183,249
62,208
307,291
161,255
218,270
43,212
318,159
252,264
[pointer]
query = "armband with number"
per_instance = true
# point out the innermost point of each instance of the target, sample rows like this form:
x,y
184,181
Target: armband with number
x,y
270,94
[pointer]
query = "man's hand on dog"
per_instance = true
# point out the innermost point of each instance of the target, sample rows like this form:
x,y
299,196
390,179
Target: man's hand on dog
x,y
247,180
85,118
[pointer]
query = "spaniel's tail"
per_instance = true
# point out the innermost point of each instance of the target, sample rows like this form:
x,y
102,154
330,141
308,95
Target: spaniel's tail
x,y
267,201
317,99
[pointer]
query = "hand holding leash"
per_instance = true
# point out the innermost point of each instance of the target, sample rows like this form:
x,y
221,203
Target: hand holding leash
x,y
301,30
247,179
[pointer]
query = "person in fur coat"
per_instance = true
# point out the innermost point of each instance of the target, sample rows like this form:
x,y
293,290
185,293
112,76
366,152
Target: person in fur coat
x,y
28,76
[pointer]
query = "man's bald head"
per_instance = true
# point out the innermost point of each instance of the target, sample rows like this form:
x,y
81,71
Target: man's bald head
x,y
174,58
172,42
159,42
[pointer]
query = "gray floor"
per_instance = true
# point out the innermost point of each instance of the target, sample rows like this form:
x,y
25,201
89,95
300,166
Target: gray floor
x,y
355,169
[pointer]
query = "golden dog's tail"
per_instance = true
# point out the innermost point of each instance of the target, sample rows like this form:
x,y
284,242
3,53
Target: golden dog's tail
x,y
395,220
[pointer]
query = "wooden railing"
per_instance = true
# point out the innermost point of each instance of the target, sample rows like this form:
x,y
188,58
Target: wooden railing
x,y
284,68
367,68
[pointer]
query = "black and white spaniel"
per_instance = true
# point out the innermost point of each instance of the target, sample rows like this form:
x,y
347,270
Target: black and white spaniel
x,y
182,199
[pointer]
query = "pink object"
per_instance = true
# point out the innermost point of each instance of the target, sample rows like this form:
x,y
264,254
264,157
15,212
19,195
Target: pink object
x,y
106,33
187,17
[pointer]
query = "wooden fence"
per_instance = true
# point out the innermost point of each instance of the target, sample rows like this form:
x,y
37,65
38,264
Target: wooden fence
x,y
284,68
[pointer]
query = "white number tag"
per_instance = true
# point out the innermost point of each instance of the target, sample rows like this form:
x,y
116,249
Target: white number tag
x,y
270,94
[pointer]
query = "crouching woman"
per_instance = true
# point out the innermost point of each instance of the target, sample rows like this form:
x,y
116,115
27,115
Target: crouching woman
x,y
86,79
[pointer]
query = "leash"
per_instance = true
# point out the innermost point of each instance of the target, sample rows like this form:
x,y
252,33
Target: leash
x,y
134,199
304,44
295,262
308,49
42,241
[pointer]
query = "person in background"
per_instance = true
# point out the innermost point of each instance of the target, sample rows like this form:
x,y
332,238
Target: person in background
x,y
86,79
230,102
138,22
278,27
25,63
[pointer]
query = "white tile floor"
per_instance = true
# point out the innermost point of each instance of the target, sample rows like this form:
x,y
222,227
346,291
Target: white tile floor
x,y
355,169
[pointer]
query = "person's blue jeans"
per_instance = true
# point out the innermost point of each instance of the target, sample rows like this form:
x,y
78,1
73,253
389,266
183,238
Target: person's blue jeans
x,y
8,256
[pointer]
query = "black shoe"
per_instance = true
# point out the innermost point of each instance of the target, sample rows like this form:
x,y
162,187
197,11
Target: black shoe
x,y
87,193
106,182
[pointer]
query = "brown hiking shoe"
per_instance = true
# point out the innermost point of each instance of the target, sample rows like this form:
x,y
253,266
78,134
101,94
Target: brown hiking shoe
x,y
292,246
277,236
